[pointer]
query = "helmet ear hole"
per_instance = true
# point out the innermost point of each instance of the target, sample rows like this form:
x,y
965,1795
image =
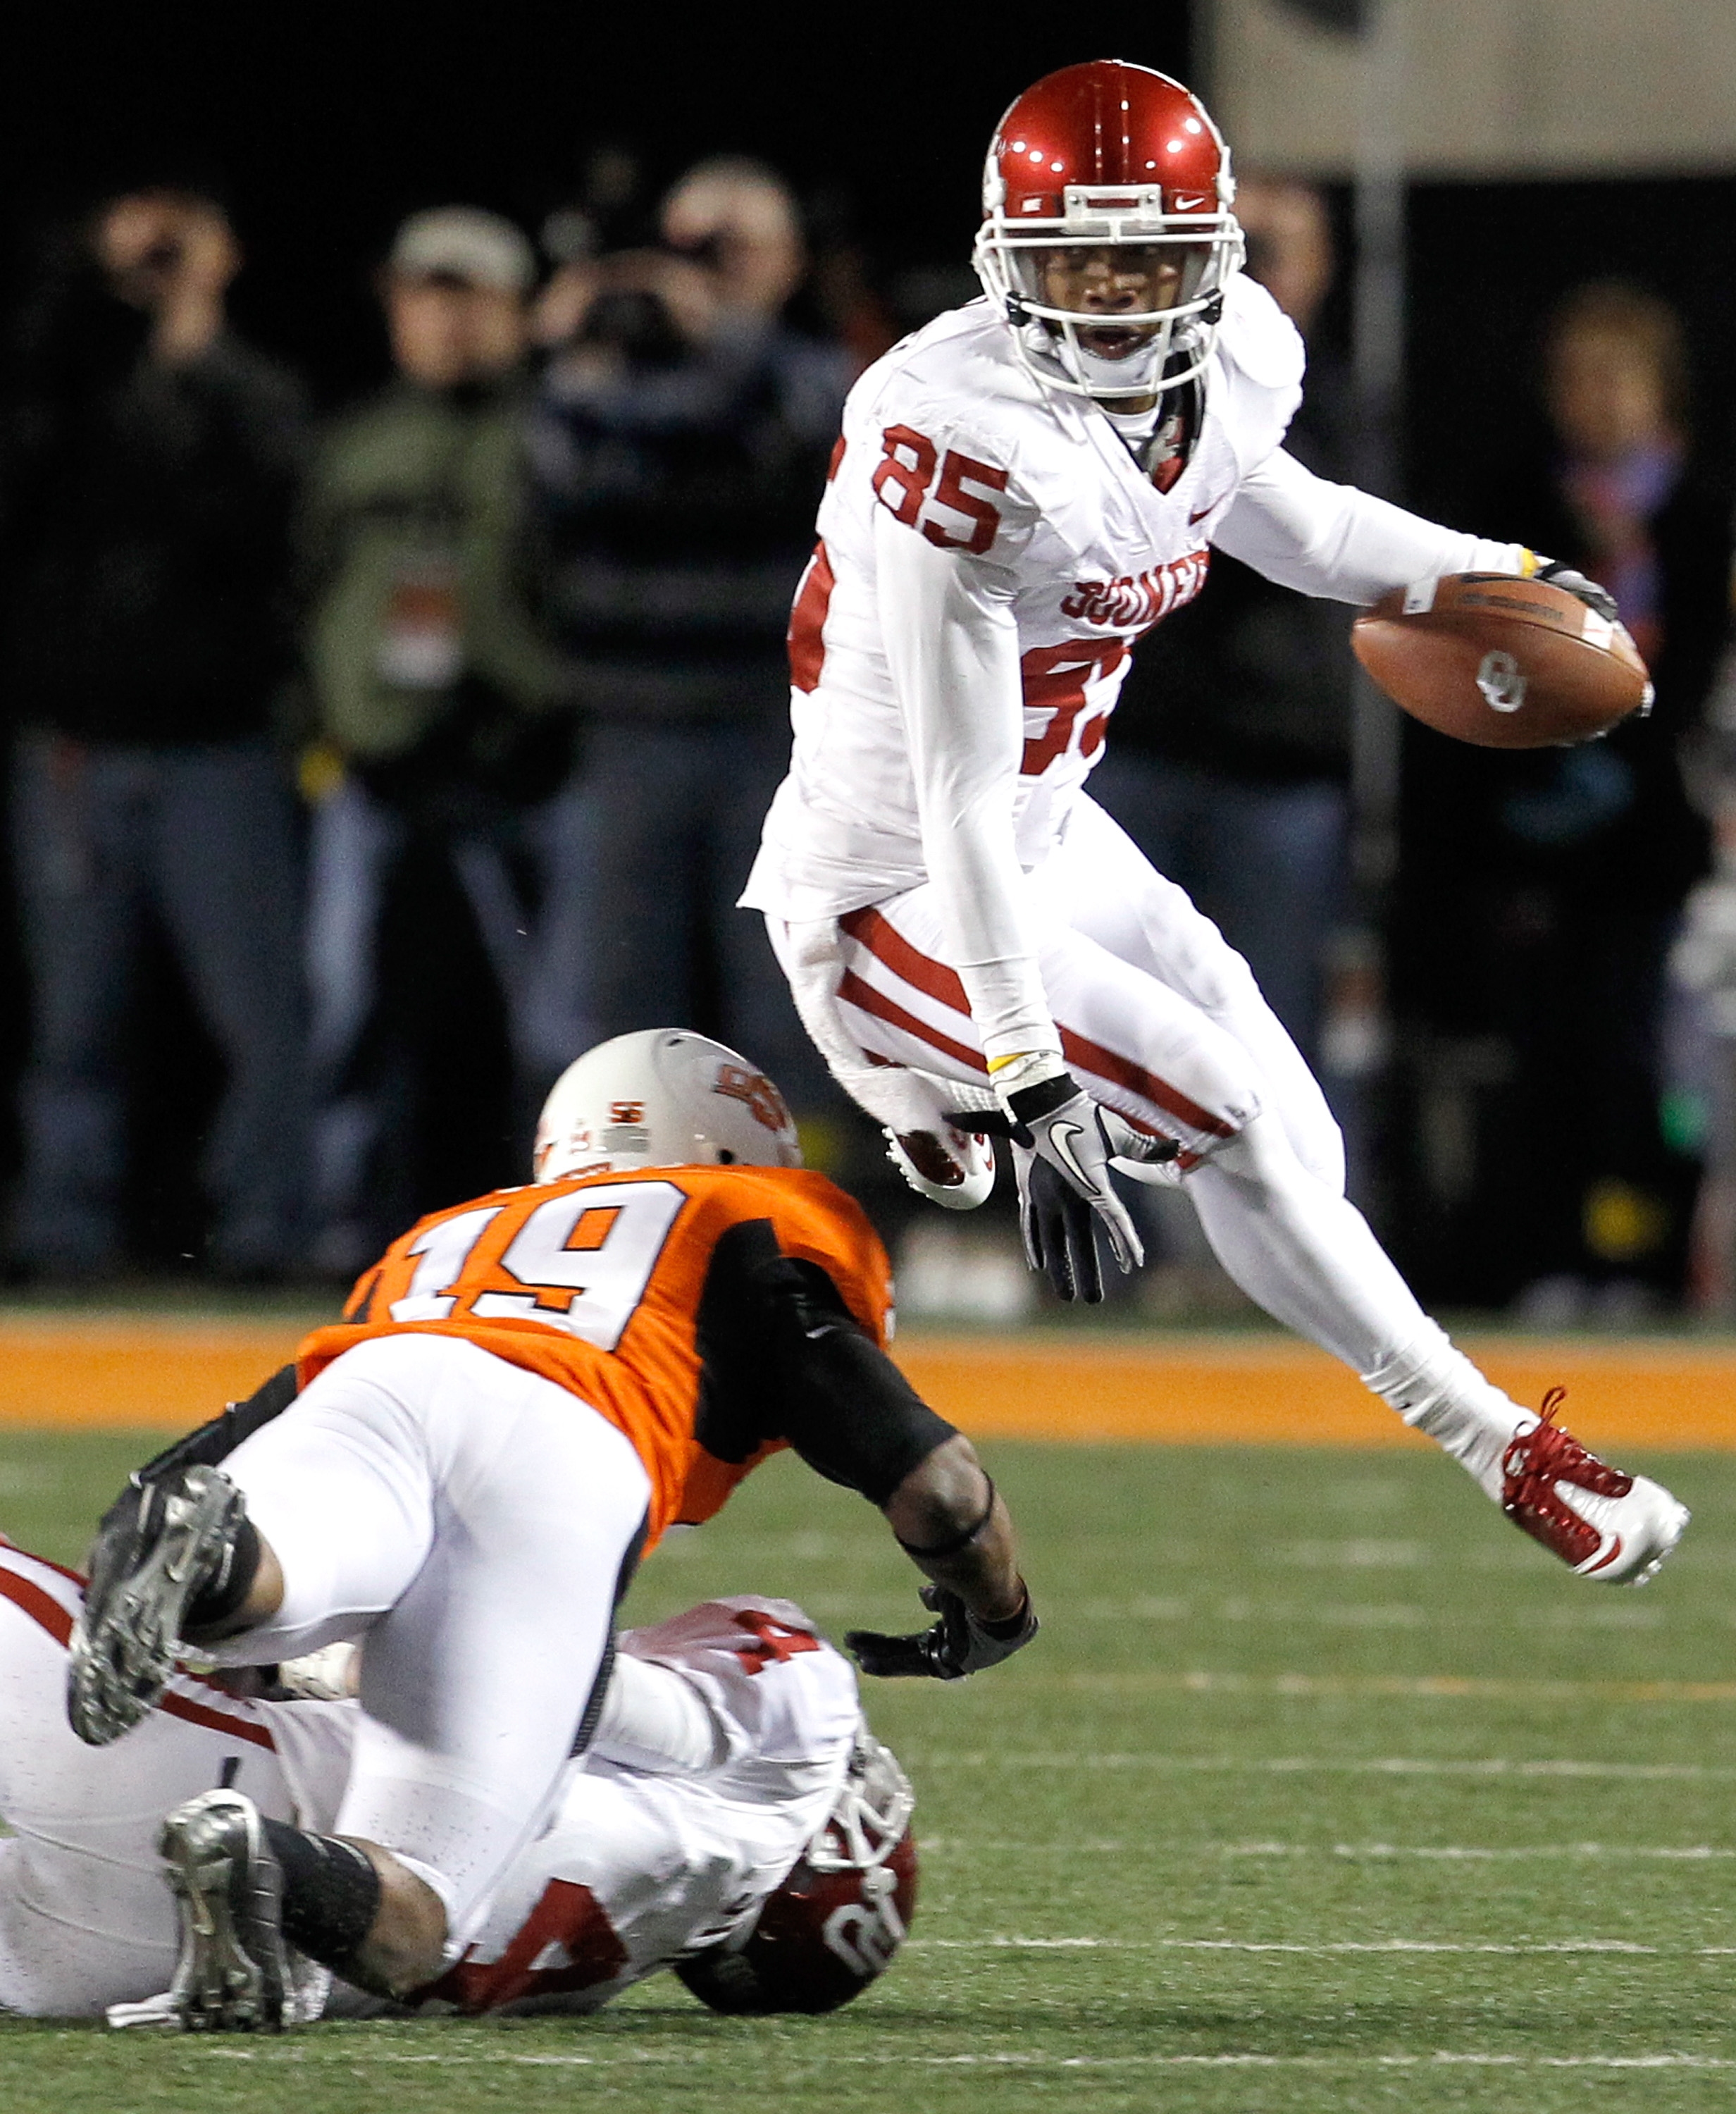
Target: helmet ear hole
x,y
725,1157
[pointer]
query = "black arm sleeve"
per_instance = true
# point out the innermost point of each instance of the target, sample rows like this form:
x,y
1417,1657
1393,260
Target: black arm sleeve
x,y
215,1441
782,1357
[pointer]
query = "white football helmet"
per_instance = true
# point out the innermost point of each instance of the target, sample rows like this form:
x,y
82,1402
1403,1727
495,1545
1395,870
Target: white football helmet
x,y
661,1097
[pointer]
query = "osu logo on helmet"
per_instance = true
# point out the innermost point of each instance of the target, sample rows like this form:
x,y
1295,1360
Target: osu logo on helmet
x,y
762,1098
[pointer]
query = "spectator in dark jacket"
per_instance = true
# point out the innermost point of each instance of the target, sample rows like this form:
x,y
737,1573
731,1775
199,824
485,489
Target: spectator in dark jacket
x,y
1548,883
436,701
680,447
148,464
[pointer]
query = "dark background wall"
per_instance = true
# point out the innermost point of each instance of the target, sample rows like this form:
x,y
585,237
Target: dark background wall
x,y
327,123
323,125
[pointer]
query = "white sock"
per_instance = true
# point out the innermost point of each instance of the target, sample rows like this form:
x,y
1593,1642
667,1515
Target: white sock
x,y
1306,1255
655,1719
1436,1389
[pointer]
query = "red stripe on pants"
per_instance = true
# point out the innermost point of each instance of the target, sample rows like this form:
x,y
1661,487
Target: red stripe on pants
x,y
853,991
884,941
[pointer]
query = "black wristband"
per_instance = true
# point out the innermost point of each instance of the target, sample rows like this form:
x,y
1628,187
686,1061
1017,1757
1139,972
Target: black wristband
x,y
1009,1626
959,1540
1031,1104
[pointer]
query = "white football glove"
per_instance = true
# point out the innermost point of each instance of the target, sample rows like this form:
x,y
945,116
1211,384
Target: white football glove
x,y
1592,592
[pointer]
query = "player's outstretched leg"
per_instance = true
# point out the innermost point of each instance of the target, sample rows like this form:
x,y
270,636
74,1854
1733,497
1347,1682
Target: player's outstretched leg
x,y
233,1974
1306,1255
169,1556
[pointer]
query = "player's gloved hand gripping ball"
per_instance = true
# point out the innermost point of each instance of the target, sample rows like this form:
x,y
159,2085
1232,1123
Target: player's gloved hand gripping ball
x,y
1592,592
960,1643
1506,660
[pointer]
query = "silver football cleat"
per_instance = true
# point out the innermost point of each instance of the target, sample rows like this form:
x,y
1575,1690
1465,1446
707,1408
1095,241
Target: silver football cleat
x,y
157,1550
233,1973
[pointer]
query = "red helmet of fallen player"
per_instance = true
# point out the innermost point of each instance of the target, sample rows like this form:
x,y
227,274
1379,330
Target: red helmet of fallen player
x,y
1107,194
841,1913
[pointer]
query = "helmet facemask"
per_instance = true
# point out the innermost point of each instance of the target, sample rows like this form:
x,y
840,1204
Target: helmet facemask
x,y
840,1912
1111,260
870,1815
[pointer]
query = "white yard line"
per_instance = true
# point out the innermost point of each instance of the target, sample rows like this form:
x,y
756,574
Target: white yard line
x,y
344,2050
1203,1681
1573,1945
1398,1765
1376,1614
1447,1853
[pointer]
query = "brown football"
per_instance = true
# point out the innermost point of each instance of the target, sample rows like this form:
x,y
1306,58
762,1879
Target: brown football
x,y
1503,662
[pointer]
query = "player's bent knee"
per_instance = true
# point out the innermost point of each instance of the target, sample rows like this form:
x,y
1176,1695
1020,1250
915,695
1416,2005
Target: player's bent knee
x,y
1261,1152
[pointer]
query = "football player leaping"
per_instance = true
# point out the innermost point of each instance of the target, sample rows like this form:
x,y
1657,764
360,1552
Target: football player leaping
x,y
1021,489
526,1391
733,1818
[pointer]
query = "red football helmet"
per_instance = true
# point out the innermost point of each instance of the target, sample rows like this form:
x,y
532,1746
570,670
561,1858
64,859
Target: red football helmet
x,y
841,1913
1108,238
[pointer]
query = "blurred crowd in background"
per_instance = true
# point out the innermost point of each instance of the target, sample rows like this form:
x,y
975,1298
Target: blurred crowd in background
x,y
363,771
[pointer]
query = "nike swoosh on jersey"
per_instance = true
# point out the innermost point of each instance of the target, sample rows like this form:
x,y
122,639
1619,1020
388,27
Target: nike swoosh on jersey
x,y
1194,519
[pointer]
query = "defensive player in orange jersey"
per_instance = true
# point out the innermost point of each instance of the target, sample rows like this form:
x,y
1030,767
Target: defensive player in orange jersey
x,y
524,1394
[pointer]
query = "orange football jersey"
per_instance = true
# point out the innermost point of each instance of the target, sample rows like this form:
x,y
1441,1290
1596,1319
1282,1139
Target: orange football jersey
x,y
595,1282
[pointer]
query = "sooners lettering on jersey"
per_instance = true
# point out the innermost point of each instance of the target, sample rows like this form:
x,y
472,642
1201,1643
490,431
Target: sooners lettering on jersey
x,y
595,1284
1142,600
949,439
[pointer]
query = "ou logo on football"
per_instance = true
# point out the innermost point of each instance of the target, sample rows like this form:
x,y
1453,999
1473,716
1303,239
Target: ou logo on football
x,y
866,1936
1501,681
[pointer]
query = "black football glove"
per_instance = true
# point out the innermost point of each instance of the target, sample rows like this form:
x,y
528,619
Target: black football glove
x,y
1588,591
960,1643
1055,1122
1059,1228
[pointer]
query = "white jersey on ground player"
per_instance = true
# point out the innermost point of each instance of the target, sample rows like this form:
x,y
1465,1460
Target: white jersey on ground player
x,y
1021,489
635,1868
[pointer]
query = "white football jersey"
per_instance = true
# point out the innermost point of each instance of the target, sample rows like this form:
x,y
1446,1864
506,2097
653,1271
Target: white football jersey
x,y
636,1869
86,1919
988,550
632,1871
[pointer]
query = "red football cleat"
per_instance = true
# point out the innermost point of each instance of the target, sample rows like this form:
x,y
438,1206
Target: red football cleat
x,y
1602,1523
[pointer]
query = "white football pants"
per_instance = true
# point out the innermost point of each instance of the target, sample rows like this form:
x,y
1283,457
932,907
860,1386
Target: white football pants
x,y
469,1520
1160,1018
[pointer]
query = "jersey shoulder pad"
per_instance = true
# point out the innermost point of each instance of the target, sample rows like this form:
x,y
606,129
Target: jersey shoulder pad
x,y
955,380
815,1221
807,1713
714,1626
796,1198
1257,339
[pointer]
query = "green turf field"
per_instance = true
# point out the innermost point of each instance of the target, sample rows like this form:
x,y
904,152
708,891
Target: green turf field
x,y
1323,1789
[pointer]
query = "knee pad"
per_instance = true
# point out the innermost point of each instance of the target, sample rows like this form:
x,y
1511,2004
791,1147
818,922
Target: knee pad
x,y
1261,1151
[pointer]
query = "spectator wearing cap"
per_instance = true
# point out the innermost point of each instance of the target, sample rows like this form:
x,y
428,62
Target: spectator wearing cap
x,y
437,702
680,443
148,463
